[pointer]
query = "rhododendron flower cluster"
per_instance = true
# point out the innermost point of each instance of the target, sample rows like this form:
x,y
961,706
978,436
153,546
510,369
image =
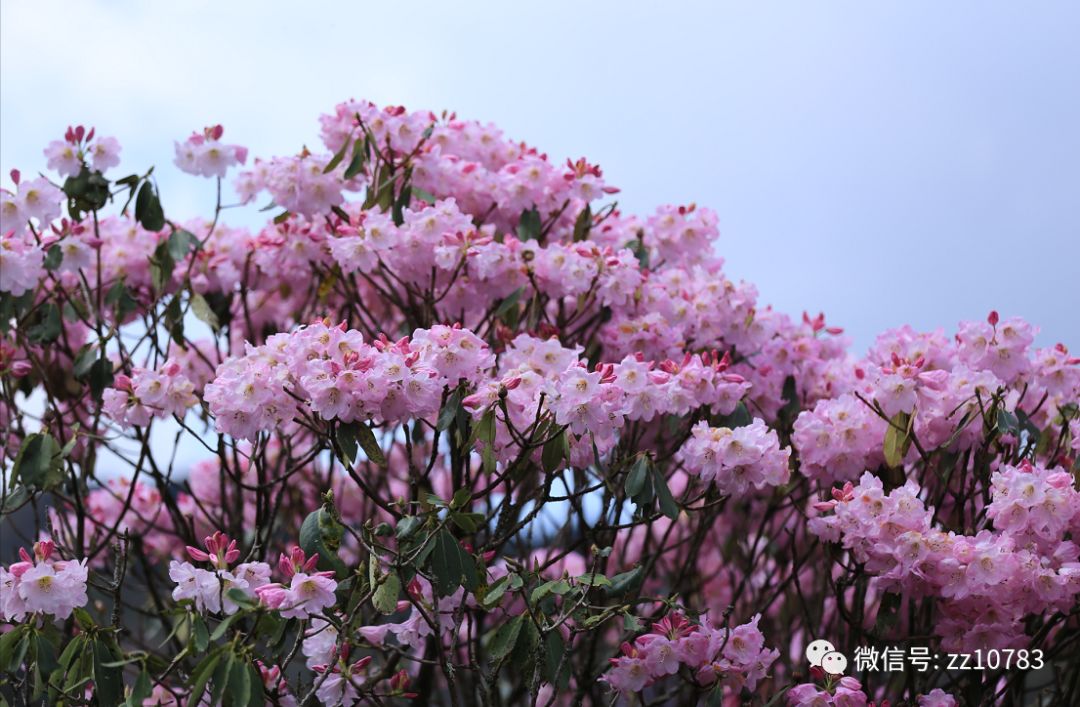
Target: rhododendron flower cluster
x,y
42,584
453,427
737,656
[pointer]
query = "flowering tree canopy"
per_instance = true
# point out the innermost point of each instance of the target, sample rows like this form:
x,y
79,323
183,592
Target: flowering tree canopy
x,y
471,435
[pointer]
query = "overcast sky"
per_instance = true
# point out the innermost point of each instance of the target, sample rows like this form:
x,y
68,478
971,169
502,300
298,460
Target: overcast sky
x,y
885,162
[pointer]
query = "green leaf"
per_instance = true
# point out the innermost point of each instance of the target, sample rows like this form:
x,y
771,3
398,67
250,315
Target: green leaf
x,y
201,677
257,698
509,302
202,310
8,642
356,164
468,522
222,627
554,586
71,650
200,634
450,410
631,623
141,691
1007,422
739,417
594,579
386,594
505,638
108,680
423,195
530,224
639,473
556,449
344,216
452,566
790,393
370,445
347,441
281,218
83,361
485,429
83,619
336,159
239,683
888,613
221,679
407,527
54,257
39,463
119,298
663,494
321,533
897,439
461,499
496,591
48,327
100,377
161,267
180,243
583,224
148,210
353,434
556,660
174,319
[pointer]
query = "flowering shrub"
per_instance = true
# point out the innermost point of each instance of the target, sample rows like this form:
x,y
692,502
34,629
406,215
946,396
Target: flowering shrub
x,y
466,433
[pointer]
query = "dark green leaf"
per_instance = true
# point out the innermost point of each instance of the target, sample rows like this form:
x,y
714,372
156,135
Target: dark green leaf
x,y
639,474
119,298
509,303
790,393
239,684
108,680
496,591
346,434
8,642
663,494
148,210
386,595
101,377
556,660
336,159
54,257
450,410
142,690
369,444
341,213
48,327
897,439
556,449
583,224
201,676
180,244
407,526
321,533
452,566
529,225
39,462
200,634
356,164
201,309
505,638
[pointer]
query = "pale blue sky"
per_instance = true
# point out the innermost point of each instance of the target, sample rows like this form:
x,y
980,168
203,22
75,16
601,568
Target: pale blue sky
x,y
885,162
